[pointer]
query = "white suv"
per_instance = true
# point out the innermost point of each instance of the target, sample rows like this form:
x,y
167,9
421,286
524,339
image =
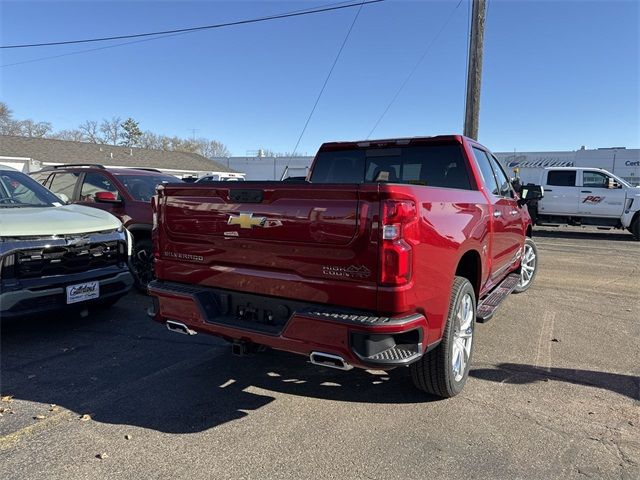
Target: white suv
x,y
55,256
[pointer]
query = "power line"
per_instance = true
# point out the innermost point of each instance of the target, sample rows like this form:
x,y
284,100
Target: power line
x,y
326,80
415,67
194,29
131,42
88,50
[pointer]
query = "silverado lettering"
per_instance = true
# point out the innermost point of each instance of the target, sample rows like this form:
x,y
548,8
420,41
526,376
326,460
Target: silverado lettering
x,y
386,256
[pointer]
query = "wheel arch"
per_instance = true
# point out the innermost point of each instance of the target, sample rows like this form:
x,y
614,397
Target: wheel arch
x,y
470,267
140,231
529,231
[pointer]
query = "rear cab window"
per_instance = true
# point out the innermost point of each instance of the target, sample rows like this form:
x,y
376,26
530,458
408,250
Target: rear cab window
x,y
438,165
561,178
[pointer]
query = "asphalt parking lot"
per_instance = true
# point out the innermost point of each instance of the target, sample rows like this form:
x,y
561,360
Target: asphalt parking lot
x,y
554,392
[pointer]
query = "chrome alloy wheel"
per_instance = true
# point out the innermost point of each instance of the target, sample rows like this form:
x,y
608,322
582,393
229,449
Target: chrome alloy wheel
x,y
528,266
462,337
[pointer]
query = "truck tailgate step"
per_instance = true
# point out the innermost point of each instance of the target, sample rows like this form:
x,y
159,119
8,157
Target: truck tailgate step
x,y
491,302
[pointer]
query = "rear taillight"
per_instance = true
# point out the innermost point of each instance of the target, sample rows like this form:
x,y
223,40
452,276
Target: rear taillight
x,y
154,214
154,226
399,223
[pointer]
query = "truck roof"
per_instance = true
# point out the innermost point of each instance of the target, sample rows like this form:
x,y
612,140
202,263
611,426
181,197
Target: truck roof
x,y
393,141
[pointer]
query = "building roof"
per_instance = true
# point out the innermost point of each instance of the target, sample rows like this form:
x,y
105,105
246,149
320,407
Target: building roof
x,y
64,151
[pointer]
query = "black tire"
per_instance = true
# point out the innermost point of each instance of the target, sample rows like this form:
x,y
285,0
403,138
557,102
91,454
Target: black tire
x,y
529,245
533,213
434,373
635,228
141,264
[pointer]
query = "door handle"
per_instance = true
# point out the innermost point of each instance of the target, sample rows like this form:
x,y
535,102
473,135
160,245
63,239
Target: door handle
x,y
585,191
548,190
497,213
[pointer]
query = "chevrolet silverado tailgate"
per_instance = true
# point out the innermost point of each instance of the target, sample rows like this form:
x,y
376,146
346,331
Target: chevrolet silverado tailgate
x,y
315,243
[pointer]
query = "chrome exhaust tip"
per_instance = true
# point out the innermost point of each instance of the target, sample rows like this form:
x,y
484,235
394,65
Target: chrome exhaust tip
x,y
329,360
179,328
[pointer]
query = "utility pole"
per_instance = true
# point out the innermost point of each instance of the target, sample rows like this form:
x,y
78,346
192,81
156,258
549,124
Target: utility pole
x,y
474,72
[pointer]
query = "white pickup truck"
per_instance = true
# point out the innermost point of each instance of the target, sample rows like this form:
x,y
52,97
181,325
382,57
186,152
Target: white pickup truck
x,y
587,196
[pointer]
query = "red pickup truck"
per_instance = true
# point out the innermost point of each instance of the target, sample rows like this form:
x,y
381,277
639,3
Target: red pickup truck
x,y
385,257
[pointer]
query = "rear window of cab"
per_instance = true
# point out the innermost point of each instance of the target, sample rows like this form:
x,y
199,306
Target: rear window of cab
x,y
428,165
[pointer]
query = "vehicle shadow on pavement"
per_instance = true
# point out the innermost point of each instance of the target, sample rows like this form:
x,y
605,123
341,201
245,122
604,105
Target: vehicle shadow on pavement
x,y
520,374
121,368
586,234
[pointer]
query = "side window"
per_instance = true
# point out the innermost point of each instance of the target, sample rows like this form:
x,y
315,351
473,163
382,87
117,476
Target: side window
x,y
594,179
64,183
40,177
487,172
94,183
503,181
561,178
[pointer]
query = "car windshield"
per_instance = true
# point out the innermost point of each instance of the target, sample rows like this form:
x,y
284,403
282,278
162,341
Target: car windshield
x,y
621,181
143,187
20,190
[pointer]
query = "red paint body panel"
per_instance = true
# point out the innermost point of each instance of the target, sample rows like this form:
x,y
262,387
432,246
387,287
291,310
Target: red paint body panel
x,y
312,234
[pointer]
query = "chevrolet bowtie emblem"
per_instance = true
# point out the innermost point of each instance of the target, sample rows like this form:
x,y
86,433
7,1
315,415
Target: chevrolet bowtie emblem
x,y
246,220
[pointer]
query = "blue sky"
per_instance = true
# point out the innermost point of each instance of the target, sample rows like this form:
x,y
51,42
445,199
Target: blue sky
x,y
557,75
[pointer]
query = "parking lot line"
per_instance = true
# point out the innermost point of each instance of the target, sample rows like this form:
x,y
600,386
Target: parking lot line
x,y
543,352
582,247
10,439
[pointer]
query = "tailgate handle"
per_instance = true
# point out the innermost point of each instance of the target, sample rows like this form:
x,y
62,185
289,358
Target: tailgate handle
x,y
246,196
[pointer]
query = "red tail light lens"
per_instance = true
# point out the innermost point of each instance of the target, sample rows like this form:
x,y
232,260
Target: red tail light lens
x,y
399,218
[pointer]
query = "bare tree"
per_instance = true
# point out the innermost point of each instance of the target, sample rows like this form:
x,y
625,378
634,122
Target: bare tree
x,y
6,115
74,135
150,140
25,128
29,128
90,131
212,148
111,130
165,142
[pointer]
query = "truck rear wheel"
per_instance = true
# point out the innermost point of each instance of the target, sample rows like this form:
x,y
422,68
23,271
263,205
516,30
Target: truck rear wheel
x,y
635,228
444,370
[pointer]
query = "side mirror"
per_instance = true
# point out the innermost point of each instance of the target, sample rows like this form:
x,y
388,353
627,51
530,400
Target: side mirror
x,y
611,183
106,197
62,197
529,193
